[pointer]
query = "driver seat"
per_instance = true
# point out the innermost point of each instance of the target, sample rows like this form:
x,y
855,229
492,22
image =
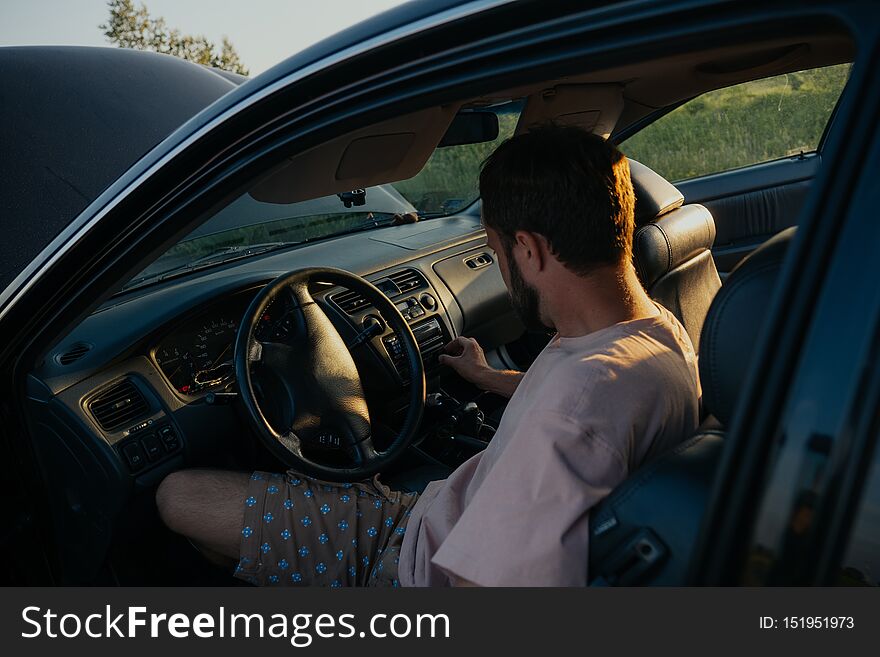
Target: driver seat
x,y
644,532
672,249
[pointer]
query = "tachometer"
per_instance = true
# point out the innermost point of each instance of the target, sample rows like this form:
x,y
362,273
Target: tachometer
x,y
275,324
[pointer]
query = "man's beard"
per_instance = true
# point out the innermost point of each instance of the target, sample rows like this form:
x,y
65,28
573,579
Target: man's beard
x,y
524,299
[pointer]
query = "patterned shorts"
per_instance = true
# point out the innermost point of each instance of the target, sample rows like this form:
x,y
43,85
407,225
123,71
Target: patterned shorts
x,y
301,531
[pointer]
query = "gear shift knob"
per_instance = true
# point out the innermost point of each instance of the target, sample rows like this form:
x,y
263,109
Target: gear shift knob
x,y
434,399
470,419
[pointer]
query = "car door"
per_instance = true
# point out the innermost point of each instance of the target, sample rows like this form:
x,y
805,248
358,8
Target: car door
x,y
858,563
795,498
748,152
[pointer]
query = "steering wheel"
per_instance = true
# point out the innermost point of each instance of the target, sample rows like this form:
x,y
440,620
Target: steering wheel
x,y
318,378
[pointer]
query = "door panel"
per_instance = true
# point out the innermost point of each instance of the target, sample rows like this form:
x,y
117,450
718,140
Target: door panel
x,y
752,204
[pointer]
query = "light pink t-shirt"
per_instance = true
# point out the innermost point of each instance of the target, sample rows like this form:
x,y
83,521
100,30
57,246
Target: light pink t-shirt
x,y
588,412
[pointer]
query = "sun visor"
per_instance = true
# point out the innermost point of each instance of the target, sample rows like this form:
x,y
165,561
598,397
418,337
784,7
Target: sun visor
x,y
593,107
390,151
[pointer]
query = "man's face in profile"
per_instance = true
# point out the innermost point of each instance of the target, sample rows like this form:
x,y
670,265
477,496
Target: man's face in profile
x,y
523,297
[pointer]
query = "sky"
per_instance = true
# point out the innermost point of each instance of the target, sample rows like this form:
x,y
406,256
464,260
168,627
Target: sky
x,y
264,32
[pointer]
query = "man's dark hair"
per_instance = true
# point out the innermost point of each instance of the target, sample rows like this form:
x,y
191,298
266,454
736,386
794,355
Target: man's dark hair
x,y
570,186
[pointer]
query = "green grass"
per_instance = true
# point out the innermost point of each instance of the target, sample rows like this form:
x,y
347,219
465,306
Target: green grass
x,y
741,125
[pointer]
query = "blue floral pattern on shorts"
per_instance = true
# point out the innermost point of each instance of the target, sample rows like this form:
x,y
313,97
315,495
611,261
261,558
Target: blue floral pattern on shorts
x,y
337,535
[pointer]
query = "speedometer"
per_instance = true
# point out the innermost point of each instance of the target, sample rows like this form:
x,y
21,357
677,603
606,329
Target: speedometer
x,y
199,355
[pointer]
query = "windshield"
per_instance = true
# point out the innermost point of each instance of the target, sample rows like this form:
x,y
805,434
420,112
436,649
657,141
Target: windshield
x,y
447,184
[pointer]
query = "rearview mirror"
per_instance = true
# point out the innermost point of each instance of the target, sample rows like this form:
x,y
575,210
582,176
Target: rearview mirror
x,y
471,127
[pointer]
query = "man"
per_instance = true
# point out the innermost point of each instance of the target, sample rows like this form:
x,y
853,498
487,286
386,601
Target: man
x,y
616,386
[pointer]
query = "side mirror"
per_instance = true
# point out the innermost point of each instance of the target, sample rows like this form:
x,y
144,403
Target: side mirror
x,y
471,127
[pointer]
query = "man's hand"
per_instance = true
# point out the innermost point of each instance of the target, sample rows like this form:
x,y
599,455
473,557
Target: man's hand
x,y
466,357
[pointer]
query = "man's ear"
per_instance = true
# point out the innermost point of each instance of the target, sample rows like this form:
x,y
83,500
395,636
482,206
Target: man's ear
x,y
533,250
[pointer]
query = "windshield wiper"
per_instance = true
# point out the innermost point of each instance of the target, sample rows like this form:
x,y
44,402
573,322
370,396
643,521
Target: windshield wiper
x,y
366,224
220,256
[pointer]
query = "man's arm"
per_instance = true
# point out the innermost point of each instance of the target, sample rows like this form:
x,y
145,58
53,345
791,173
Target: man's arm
x,y
466,357
501,382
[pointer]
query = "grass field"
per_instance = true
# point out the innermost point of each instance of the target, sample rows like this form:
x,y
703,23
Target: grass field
x,y
741,125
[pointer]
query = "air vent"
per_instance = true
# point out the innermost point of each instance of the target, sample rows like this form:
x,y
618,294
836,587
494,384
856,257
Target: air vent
x,y
73,353
350,301
408,280
118,406
478,261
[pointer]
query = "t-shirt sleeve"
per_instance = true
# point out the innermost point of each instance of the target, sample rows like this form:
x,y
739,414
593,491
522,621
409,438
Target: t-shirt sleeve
x,y
528,523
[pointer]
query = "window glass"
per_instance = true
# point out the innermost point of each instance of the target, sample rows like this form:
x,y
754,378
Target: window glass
x,y
741,125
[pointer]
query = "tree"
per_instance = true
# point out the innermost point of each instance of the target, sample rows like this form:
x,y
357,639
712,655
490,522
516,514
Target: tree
x,y
133,27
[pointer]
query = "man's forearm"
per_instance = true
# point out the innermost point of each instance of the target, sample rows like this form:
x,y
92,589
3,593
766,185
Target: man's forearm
x,y
501,382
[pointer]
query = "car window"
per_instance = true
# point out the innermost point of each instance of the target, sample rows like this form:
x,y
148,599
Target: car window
x,y
741,125
248,226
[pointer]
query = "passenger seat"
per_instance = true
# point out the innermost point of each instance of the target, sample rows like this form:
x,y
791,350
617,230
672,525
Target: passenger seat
x,y
672,249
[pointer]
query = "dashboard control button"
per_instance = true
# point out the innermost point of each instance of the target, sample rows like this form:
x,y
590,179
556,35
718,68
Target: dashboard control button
x,y
139,427
135,456
428,301
153,447
169,438
371,321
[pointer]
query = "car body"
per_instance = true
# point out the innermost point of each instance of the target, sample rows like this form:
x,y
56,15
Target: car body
x,y
73,334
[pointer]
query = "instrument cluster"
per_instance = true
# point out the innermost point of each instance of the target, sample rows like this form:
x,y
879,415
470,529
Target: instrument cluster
x,y
198,355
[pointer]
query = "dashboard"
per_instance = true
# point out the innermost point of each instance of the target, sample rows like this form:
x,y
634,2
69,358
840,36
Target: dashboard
x,y
138,388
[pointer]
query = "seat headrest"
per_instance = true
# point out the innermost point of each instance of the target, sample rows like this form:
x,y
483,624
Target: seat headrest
x,y
662,245
734,323
655,196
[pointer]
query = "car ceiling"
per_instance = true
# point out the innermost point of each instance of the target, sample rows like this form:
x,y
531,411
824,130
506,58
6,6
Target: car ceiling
x,y
664,81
